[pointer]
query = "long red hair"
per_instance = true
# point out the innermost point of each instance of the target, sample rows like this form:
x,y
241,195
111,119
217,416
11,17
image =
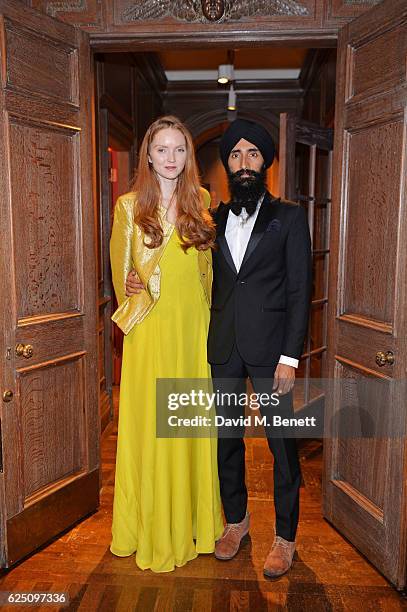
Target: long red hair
x,y
194,223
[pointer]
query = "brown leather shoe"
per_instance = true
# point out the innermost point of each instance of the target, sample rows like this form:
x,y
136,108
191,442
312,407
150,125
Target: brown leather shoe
x,y
228,545
280,558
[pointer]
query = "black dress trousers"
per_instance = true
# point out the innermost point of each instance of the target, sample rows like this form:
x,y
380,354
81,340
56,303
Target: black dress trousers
x,y
231,450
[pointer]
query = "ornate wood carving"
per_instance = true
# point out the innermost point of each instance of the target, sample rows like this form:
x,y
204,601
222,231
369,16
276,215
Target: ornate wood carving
x,y
199,11
66,7
85,13
213,10
348,9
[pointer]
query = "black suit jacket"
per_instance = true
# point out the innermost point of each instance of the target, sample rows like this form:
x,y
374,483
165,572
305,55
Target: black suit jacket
x,y
264,307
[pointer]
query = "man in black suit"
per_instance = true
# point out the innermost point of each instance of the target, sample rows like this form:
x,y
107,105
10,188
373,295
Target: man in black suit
x,y
259,318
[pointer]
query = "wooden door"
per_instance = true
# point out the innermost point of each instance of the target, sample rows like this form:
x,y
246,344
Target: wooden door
x,y
305,176
365,477
50,426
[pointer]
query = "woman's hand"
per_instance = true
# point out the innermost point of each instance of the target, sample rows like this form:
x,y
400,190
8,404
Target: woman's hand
x,y
133,284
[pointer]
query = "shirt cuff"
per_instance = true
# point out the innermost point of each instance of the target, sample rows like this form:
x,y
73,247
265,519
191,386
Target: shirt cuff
x,y
290,361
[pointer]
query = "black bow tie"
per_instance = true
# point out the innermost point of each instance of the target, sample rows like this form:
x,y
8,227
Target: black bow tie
x,y
236,207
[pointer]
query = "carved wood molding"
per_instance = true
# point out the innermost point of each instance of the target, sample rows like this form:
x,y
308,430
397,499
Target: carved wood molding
x,y
352,2
203,11
211,20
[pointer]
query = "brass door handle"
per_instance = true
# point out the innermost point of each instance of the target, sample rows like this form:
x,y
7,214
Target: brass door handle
x,y
24,350
383,358
7,395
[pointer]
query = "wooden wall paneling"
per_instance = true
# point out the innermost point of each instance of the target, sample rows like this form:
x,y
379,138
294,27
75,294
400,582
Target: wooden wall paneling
x,y
288,123
147,108
341,11
105,282
87,14
117,82
318,80
149,65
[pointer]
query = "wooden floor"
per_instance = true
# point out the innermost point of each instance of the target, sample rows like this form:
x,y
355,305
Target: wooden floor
x,y
328,574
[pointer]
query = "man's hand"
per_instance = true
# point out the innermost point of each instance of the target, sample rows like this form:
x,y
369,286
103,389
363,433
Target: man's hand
x,y
284,378
133,284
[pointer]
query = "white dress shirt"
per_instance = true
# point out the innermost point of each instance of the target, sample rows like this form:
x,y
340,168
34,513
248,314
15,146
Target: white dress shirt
x,y
237,234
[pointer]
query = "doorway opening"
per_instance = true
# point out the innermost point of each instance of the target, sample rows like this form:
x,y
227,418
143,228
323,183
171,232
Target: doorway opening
x,y
290,90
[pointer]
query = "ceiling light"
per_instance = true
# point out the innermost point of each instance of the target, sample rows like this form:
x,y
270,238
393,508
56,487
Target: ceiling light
x,y
225,73
232,99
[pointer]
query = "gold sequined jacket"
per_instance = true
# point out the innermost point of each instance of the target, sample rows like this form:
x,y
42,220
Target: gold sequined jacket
x,y
127,252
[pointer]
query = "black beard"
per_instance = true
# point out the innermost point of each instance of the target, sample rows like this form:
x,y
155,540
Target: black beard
x,y
249,188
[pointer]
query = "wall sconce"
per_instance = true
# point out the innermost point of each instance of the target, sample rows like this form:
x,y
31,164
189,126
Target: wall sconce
x,y
225,73
232,99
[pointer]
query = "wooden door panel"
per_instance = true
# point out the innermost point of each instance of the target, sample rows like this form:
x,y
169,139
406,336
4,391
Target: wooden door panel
x,y
361,462
365,484
51,428
373,179
376,62
44,164
359,341
364,450
50,514
49,446
54,74
51,440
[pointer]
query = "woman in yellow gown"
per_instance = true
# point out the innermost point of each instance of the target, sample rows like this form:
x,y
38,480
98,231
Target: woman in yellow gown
x,y
166,498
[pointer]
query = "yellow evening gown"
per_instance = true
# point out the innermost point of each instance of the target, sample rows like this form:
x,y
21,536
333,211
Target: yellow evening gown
x,y
166,499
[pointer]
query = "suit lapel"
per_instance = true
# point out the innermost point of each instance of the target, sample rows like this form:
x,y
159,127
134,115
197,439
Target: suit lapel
x,y
222,217
262,221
